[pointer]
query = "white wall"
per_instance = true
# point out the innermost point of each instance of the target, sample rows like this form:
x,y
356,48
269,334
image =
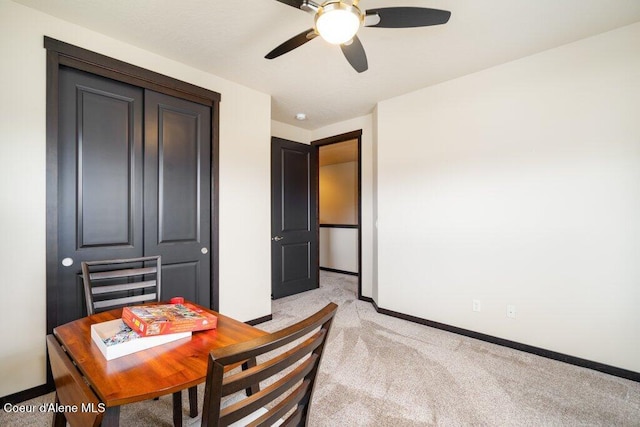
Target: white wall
x,y
292,133
520,185
339,248
366,153
244,185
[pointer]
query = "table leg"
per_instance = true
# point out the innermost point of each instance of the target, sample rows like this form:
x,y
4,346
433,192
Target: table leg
x,y
177,409
111,417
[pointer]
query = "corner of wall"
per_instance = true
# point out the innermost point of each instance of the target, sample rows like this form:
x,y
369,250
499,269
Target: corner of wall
x,y
374,203
290,132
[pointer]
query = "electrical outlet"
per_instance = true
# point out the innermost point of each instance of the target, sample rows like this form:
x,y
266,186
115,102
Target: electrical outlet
x,y
511,311
476,305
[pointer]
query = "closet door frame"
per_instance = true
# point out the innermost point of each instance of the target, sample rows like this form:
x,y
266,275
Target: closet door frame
x,y
63,54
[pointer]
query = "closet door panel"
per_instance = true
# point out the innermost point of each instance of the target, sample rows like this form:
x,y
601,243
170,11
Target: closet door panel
x,y
100,180
178,178
178,194
176,275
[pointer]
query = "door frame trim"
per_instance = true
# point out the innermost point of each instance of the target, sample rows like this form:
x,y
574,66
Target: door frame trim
x,y
63,54
347,136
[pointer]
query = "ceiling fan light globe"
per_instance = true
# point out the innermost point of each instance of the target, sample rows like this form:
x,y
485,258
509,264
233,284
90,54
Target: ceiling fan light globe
x,y
338,22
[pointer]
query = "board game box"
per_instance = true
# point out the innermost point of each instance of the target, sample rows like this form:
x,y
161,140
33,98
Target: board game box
x,y
161,319
116,339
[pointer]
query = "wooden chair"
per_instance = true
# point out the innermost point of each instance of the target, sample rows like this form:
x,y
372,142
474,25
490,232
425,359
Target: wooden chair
x,y
293,369
115,283
121,282
71,389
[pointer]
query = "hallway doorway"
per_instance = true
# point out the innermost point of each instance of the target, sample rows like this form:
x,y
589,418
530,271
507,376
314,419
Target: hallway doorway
x,y
340,207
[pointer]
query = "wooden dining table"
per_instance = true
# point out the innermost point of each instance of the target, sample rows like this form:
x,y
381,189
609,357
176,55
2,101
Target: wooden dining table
x,y
147,374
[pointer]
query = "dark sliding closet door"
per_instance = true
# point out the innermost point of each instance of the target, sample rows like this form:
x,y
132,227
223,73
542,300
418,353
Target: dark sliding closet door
x,y
133,169
177,196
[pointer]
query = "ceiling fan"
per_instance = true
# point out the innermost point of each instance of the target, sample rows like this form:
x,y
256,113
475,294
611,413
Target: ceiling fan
x,y
338,21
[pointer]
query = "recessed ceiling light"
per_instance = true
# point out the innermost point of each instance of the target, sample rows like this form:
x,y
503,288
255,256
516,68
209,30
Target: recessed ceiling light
x,y
301,116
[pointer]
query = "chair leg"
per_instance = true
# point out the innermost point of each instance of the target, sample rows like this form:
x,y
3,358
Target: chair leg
x,y
254,388
193,402
177,409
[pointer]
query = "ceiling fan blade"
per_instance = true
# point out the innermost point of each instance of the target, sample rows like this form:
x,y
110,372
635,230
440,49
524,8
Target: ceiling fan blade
x,y
292,43
354,52
407,17
294,3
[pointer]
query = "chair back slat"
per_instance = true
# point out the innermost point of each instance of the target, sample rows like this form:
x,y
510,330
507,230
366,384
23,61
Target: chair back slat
x,y
71,389
283,407
107,289
237,411
291,361
117,302
119,282
244,379
127,272
294,419
242,351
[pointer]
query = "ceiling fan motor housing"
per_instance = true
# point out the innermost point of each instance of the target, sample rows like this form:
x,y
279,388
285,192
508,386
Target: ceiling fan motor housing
x,y
338,22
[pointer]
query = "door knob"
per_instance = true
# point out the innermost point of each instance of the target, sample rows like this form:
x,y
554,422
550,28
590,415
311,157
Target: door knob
x,y
67,262
277,238
204,250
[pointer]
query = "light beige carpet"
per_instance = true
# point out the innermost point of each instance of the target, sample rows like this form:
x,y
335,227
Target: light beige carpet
x,y
382,371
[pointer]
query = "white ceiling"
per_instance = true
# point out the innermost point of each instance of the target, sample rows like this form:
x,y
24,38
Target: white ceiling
x,y
230,38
